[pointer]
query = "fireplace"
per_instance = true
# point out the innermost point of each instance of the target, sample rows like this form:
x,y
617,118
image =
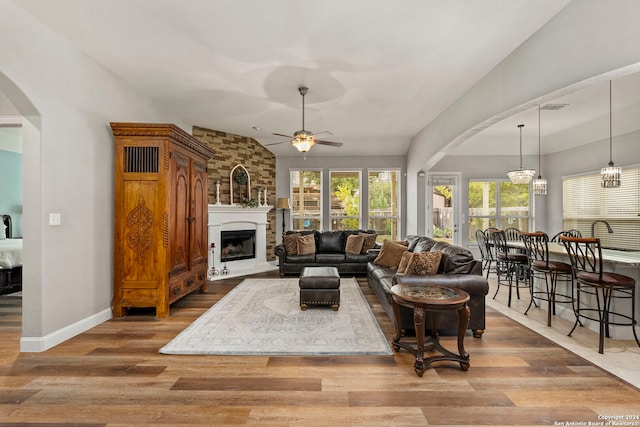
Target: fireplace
x,y
237,244
238,219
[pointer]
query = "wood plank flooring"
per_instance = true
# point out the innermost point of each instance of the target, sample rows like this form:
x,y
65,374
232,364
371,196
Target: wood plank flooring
x,y
113,375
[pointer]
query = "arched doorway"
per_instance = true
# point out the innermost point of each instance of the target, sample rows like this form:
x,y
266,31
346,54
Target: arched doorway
x,y
32,300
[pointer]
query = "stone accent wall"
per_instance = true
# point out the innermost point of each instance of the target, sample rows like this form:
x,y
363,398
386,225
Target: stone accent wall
x,y
232,150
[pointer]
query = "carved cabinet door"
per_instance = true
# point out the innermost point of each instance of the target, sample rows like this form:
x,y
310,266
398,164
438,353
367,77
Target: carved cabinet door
x,y
199,214
179,213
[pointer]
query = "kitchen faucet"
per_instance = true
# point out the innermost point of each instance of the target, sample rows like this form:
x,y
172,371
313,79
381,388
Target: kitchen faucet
x,y
593,226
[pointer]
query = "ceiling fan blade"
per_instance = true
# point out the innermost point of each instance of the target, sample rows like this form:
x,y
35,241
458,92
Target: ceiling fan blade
x,y
284,136
323,132
330,143
276,143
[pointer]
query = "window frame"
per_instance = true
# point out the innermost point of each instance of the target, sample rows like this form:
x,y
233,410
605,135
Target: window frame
x,y
293,218
398,217
333,218
498,217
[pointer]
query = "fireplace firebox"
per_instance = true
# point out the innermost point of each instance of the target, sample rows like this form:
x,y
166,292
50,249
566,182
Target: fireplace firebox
x,y
237,245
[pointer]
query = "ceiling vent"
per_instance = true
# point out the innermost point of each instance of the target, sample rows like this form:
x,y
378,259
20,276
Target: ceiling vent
x,y
553,107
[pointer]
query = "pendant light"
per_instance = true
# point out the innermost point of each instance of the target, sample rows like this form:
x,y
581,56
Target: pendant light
x,y
539,184
521,176
610,174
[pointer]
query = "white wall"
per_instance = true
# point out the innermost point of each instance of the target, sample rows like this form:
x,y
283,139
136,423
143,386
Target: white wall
x,y
67,101
588,41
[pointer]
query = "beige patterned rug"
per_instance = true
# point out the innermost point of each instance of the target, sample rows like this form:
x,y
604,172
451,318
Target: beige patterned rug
x,y
263,317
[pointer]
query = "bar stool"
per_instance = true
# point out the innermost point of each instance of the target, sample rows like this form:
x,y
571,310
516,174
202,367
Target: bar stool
x,y
508,262
570,233
486,254
586,260
537,246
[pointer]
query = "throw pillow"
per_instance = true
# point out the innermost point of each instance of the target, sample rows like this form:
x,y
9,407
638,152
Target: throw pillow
x,y
290,242
390,254
369,242
306,244
354,244
423,263
404,261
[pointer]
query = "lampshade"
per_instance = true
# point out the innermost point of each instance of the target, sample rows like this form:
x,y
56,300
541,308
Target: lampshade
x,y
303,141
539,184
610,174
521,176
283,203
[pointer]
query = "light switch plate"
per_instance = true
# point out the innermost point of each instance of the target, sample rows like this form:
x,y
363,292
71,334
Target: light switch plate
x,y
54,219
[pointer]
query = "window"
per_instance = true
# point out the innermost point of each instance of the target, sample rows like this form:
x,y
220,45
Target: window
x,y
499,204
585,201
306,195
345,200
384,212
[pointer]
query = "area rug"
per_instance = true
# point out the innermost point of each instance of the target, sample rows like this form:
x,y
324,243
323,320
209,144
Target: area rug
x,y
263,317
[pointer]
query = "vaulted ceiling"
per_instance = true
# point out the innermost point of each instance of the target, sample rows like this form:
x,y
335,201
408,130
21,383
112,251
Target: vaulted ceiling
x,y
378,71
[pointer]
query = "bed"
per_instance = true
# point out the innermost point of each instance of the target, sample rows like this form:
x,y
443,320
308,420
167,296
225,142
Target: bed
x,y
10,259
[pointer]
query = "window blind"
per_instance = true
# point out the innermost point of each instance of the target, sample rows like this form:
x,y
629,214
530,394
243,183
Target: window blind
x,y
585,201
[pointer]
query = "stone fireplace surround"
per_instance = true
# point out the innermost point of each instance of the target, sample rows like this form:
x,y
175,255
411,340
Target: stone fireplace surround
x,y
235,217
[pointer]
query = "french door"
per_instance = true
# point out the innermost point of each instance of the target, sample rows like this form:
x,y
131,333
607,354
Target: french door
x,y
443,207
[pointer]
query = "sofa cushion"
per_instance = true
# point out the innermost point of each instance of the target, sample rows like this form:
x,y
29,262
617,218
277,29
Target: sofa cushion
x,y
301,259
369,242
356,258
290,242
354,244
322,258
404,261
390,254
331,242
423,263
306,245
456,260
423,244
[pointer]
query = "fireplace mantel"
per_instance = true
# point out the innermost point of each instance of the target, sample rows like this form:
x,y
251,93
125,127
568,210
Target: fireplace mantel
x,y
237,217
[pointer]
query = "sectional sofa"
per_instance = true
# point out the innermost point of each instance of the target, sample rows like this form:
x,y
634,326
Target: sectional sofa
x,y
457,268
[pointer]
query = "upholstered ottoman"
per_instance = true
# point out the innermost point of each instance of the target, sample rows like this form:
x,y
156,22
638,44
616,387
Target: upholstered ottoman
x,y
319,286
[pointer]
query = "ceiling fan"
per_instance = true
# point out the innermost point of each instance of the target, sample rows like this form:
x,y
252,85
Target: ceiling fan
x,y
303,140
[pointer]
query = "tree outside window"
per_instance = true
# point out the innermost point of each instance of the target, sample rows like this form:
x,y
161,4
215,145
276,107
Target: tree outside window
x,y
345,200
498,204
384,213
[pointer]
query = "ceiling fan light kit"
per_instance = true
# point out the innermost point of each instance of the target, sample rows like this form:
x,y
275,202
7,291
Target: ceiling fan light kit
x,y
303,140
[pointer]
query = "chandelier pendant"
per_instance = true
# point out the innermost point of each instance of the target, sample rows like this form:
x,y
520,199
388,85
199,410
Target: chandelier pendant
x,y
521,176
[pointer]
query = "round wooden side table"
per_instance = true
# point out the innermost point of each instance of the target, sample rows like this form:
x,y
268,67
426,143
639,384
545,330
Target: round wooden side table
x,y
432,299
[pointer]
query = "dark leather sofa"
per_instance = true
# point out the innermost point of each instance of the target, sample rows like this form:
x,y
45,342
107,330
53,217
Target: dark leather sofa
x,y
457,269
330,252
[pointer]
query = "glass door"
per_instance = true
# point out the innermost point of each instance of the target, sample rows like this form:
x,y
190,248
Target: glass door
x,y
443,207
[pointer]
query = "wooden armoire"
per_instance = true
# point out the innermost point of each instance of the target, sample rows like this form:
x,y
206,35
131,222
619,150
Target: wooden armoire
x,y
160,239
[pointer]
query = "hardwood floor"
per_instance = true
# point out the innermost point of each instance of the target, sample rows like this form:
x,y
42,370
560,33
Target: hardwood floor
x,y
113,375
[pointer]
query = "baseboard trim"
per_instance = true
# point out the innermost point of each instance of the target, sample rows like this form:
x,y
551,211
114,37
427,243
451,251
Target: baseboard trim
x,y
40,344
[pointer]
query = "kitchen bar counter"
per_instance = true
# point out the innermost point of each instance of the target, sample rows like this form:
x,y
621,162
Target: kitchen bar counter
x,y
621,262
628,258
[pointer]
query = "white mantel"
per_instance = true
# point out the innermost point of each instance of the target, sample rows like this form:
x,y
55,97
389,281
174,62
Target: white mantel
x,y
236,217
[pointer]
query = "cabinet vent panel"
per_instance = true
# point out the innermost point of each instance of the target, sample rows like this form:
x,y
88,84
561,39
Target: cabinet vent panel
x,y
141,159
